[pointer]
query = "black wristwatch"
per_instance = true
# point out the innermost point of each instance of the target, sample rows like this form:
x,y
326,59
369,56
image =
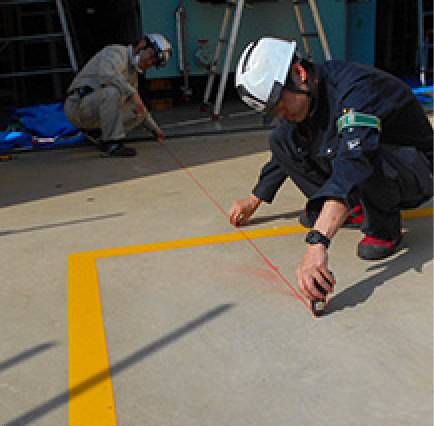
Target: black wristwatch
x,y
315,237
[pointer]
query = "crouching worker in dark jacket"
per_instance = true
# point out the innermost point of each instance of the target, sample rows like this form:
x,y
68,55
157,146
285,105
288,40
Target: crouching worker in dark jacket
x,y
104,93
355,140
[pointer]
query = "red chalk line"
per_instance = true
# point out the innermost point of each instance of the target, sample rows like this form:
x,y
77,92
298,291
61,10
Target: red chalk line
x,y
274,268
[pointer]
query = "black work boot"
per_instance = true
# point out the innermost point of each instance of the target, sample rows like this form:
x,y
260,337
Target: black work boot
x,y
117,150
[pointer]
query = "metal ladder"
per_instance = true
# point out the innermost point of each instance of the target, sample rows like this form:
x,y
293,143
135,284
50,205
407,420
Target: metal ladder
x,y
11,41
8,92
236,20
239,5
423,40
305,35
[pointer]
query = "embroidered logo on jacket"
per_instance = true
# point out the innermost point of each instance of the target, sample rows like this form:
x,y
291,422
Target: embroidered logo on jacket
x,y
353,143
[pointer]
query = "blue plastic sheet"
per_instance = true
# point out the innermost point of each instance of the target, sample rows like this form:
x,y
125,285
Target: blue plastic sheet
x,y
424,94
45,120
9,140
41,121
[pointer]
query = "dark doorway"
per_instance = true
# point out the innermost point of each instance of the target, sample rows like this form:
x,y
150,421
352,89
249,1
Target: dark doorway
x,y
97,23
397,36
27,63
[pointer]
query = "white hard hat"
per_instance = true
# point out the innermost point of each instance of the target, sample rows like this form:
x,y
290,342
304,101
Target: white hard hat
x,y
262,71
162,47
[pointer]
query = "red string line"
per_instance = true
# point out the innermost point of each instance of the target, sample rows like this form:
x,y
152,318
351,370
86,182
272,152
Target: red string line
x,y
274,268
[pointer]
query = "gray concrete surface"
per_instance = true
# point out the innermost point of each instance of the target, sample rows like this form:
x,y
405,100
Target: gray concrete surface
x,y
210,335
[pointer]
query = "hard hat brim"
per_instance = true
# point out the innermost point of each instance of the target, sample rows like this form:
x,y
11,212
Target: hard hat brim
x,y
262,71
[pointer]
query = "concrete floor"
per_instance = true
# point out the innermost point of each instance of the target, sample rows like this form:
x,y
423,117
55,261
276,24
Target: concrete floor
x,y
207,334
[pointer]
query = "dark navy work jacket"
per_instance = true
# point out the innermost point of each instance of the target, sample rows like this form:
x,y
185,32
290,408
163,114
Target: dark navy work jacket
x,y
335,164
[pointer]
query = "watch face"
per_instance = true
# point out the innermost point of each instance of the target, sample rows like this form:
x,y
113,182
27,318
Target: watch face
x,y
314,237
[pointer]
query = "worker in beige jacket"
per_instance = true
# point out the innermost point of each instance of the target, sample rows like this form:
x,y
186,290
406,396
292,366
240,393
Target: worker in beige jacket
x,y
104,93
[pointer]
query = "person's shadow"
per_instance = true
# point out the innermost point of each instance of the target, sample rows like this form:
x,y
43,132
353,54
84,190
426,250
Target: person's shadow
x,y
265,219
415,251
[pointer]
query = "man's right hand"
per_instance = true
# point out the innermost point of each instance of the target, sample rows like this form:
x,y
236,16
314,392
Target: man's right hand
x,y
242,209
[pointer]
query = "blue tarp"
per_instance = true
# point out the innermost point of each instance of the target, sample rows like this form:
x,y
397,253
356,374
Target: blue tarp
x,y
424,94
9,140
41,121
45,120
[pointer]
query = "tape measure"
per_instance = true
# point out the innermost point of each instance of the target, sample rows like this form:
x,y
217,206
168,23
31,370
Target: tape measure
x,y
318,305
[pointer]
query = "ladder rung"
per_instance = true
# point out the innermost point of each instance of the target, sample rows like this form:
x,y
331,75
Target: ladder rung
x,y
223,40
299,1
33,37
37,72
309,35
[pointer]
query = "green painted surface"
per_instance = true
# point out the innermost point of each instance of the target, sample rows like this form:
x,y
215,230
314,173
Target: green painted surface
x,y
271,18
361,20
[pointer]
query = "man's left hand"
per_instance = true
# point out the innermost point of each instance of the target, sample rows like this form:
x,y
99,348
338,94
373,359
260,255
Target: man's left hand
x,y
314,267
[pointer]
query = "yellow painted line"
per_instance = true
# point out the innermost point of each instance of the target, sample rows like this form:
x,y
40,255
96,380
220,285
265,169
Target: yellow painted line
x,y
90,384
91,400
198,241
224,238
410,214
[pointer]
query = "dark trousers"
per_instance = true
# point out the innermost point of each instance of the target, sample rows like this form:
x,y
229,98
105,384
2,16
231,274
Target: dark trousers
x,y
401,179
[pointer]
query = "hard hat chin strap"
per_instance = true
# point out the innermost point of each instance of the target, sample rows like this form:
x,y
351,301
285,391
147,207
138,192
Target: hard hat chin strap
x,y
311,92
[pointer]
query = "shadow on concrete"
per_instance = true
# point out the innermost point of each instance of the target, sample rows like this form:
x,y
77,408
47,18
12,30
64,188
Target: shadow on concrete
x,y
148,350
59,224
28,353
265,219
38,175
415,251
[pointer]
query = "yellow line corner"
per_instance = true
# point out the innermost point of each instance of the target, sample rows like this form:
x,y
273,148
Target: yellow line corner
x,y
91,398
